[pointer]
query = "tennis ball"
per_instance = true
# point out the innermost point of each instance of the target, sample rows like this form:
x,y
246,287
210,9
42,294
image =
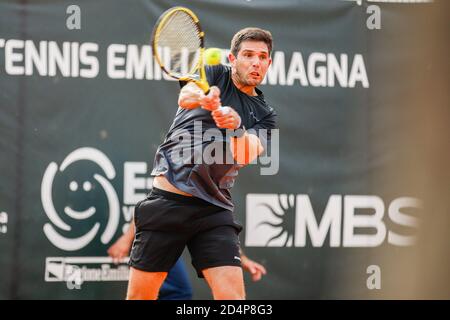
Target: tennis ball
x,y
213,56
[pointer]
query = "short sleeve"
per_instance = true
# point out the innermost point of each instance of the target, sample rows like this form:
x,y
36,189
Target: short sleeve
x,y
213,74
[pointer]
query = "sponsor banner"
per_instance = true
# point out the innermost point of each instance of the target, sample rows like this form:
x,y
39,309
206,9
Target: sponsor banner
x,y
335,210
274,220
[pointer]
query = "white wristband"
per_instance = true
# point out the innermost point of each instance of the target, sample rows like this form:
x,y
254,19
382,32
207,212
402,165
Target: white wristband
x,y
225,110
240,121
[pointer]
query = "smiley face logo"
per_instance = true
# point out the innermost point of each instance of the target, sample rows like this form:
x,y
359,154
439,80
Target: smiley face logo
x,y
75,215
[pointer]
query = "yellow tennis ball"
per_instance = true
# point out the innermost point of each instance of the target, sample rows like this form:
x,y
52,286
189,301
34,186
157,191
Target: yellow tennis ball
x,y
213,56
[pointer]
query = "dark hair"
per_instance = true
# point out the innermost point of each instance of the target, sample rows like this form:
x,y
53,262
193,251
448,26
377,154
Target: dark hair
x,y
252,34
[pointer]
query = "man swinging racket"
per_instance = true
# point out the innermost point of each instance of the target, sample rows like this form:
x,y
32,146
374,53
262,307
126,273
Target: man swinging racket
x,y
190,203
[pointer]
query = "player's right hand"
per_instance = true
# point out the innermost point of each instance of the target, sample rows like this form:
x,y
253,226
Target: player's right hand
x,y
191,97
211,101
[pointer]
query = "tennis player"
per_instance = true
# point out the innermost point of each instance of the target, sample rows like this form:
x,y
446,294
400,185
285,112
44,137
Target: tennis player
x,y
190,203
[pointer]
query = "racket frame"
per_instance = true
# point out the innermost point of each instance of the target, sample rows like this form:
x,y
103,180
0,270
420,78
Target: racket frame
x,y
202,82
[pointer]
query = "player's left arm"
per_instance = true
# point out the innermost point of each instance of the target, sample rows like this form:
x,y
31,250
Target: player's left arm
x,y
245,148
248,146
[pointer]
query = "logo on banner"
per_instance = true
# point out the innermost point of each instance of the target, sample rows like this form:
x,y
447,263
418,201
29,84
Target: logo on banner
x,y
272,223
58,224
280,220
82,207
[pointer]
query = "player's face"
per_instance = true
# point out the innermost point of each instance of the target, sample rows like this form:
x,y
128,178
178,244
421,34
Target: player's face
x,y
252,62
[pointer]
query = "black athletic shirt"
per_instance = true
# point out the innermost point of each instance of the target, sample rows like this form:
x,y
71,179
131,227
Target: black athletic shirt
x,y
211,182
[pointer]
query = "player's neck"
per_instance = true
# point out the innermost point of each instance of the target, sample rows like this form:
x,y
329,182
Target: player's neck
x,y
249,90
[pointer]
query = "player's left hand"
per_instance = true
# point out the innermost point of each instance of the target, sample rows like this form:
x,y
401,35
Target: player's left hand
x,y
211,101
226,118
256,270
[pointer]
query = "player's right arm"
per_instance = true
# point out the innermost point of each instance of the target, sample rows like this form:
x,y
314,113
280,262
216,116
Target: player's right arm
x,y
191,97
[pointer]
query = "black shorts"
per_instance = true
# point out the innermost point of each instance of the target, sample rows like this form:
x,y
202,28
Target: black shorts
x,y
167,222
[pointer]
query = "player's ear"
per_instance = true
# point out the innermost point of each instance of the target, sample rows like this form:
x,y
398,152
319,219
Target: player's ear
x,y
231,58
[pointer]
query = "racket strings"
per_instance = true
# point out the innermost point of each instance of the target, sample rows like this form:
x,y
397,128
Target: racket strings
x,y
180,38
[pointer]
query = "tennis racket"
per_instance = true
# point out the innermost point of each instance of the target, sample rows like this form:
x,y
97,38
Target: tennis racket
x,y
178,35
